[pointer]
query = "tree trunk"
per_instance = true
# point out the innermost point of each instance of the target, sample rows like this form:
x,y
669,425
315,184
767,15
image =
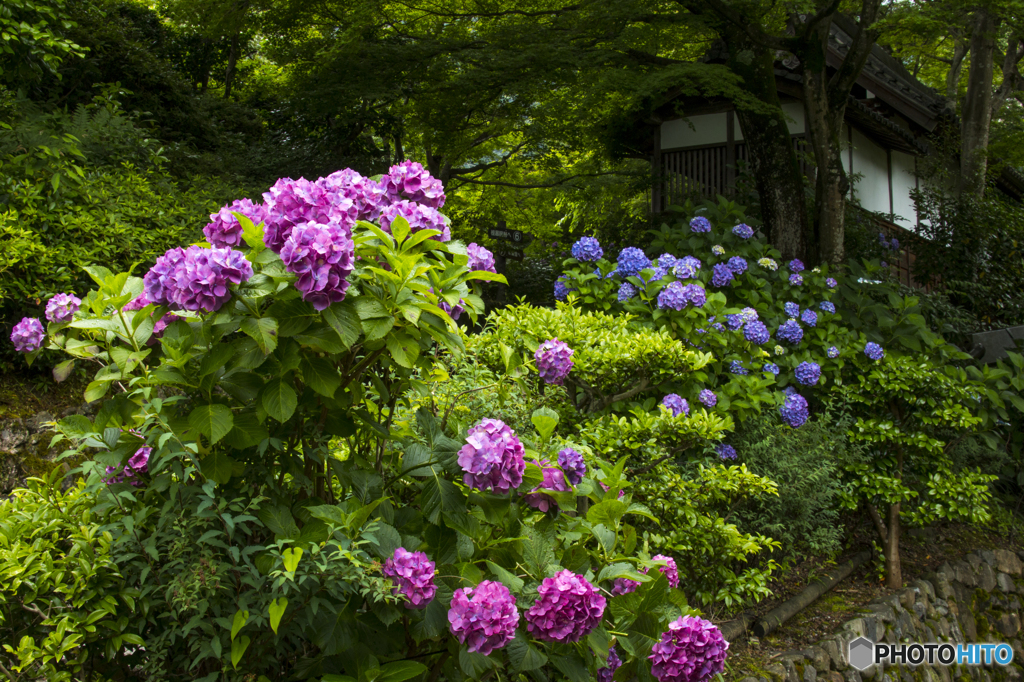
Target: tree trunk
x,y
893,567
977,109
773,160
229,73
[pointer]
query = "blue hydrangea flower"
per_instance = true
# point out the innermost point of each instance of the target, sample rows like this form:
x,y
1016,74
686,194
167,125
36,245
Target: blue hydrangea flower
x,y
695,294
717,326
631,261
771,368
677,404
808,373
874,351
587,249
743,231
721,275
883,240
831,283
833,352
749,315
809,317
562,288
736,368
738,265
718,250
686,267
626,292
756,332
792,309
666,260
734,322
828,307
796,265
895,244
700,224
794,410
796,280
790,332
707,397
726,451
673,296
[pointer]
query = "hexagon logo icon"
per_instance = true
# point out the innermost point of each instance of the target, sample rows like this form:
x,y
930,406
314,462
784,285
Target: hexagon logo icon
x,y
861,653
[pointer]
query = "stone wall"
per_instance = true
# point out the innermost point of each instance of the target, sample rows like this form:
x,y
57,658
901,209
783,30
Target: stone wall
x,y
977,599
25,447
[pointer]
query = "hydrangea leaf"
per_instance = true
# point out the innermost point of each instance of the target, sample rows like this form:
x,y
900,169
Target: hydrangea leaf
x,y
213,421
263,331
279,400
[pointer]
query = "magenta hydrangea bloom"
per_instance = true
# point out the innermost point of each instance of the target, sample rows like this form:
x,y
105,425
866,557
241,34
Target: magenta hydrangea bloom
x,y
480,258
624,586
137,463
224,229
294,202
418,216
676,404
140,460
567,609
27,336
670,569
492,457
554,479
367,196
613,662
160,283
412,574
62,307
484,618
573,465
692,650
554,361
161,325
137,303
411,181
708,397
322,257
205,275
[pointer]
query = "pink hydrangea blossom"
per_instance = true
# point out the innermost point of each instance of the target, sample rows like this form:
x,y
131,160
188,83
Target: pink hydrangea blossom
x,y
567,609
196,278
412,574
484,618
62,307
367,196
624,586
418,216
492,457
225,230
670,569
294,202
554,479
411,181
693,650
322,257
27,336
480,258
554,361
612,662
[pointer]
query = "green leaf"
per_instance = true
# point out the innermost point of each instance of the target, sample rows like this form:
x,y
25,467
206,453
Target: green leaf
x,y
239,621
291,557
523,655
238,648
96,390
377,328
277,608
387,539
213,421
368,308
609,513
344,320
252,234
320,375
506,577
63,370
544,420
279,400
399,671
403,349
280,521
263,331
217,467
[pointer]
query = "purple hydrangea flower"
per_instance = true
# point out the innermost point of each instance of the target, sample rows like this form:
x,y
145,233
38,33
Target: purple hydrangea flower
x,y
743,231
631,261
554,479
721,275
196,278
734,322
27,336
792,309
140,460
749,315
831,283
418,216
366,195
484,618
159,282
322,257
224,229
667,260
874,351
136,463
677,404
695,294
626,291
554,361
796,265
587,249
693,650
455,312
794,410
725,451
809,317
411,181
567,609
735,367
572,465
828,307
613,662
294,202
796,280
833,352
492,457
700,224
707,397
62,307
756,332
160,326
772,368
895,244
808,373
686,267
480,258
673,296
737,264
884,264
883,240
624,586
790,332
412,574
562,288
670,569
717,326
137,303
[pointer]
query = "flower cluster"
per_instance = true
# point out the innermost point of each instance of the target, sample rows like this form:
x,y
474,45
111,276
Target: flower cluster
x,y
631,261
567,609
676,404
554,479
794,410
613,662
796,265
756,332
827,307
322,257
735,367
624,586
484,618
554,361
726,451
62,307
833,352
831,283
224,229
587,249
808,373
768,264
791,309
293,202
707,397
749,315
410,181
626,292
874,351
137,463
734,322
743,231
196,278
718,250
366,195
562,288
492,457
796,280
721,275
809,317
700,224
772,368
412,574
670,570
790,332
480,258
737,264
686,267
572,465
695,294
692,650
667,260
418,216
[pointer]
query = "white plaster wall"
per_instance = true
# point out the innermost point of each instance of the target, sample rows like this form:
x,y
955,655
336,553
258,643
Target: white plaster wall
x,y
871,190
903,181
708,129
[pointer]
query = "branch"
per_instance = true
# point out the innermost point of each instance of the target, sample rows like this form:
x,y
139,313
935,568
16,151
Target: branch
x,y
740,22
499,183
481,167
860,48
638,387
647,58
883,532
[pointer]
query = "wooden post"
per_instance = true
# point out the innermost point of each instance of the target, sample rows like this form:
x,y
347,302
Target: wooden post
x,y
657,172
500,264
730,153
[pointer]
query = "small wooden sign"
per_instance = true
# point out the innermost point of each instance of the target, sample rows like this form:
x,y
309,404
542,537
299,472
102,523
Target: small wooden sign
x,y
515,236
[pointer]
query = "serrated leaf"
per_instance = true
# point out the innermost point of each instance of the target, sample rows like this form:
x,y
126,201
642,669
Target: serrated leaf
x,y
279,400
213,421
320,375
344,320
263,331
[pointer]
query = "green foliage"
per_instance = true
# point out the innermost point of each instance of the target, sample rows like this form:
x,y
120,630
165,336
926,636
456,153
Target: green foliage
x,y
33,38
